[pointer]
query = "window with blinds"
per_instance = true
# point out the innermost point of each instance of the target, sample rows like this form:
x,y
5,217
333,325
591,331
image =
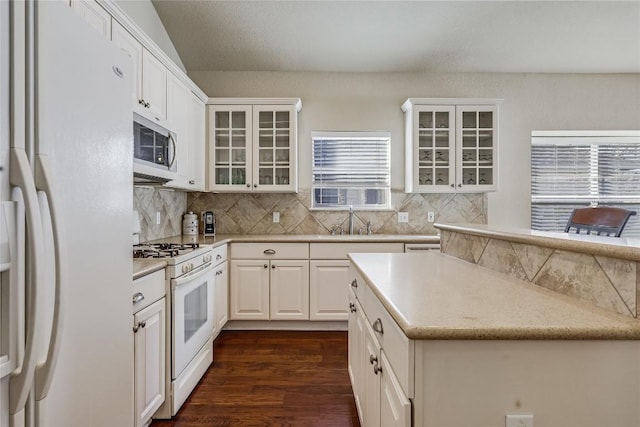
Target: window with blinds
x,y
577,169
351,169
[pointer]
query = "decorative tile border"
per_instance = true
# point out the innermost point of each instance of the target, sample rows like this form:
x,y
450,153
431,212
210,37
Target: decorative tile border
x,y
609,283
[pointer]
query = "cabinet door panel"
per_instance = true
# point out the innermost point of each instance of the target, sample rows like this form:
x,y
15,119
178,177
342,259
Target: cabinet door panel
x,y
149,360
154,86
125,41
289,290
434,148
274,148
328,287
356,348
230,148
221,296
179,100
371,391
94,15
395,408
249,288
476,134
197,149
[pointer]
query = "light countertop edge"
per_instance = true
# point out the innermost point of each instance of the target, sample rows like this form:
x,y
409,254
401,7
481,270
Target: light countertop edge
x,y
493,307
142,267
614,247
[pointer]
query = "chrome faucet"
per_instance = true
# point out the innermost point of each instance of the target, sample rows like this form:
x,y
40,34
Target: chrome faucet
x,y
350,219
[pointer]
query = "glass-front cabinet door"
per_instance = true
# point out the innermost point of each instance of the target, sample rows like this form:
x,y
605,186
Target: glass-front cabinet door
x,y
230,148
476,139
274,148
451,146
434,148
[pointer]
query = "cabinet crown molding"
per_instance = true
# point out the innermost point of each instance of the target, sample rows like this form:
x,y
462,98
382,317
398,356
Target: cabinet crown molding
x,y
297,102
410,102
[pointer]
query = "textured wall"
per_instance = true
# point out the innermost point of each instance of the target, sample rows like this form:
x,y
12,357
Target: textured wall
x,y
252,213
609,283
171,205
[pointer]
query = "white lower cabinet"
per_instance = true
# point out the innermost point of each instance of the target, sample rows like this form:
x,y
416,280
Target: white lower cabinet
x,y
249,290
289,290
379,395
328,289
149,356
221,309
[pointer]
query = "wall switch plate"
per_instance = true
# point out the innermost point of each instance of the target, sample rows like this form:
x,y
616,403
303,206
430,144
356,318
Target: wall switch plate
x,y
158,218
519,420
431,216
403,216
276,217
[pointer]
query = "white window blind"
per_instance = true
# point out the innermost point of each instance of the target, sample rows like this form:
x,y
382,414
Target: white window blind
x,y
351,169
570,170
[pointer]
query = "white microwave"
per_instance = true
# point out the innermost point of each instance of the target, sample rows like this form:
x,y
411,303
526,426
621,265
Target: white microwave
x,y
154,150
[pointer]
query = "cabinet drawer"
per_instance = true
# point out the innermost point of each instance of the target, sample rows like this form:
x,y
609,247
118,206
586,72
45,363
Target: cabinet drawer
x,y
151,287
219,254
270,251
394,343
340,250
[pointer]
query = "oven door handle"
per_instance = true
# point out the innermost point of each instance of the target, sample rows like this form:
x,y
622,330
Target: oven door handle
x,y
192,275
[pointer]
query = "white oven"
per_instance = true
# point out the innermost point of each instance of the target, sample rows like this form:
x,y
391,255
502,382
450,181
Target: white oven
x,y
192,315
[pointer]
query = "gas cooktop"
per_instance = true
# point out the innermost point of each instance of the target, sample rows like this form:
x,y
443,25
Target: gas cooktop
x,y
163,250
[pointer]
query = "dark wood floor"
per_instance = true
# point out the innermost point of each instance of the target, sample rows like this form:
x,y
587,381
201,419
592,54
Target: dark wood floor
x,y
273,378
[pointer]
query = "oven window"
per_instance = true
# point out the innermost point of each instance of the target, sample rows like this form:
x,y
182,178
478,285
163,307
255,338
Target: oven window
x,y
195,310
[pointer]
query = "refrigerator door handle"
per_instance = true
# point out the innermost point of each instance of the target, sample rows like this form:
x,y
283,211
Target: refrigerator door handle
x,y
20,176
44,371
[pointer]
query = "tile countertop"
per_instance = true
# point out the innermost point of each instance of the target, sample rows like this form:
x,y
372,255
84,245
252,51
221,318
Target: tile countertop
x,y
293,238
614,247
438,297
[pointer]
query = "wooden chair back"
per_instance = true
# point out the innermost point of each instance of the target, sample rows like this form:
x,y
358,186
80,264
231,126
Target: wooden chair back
x,y
600,220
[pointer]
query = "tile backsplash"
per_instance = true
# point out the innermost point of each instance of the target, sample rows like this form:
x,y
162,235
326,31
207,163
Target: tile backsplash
x,y
171,204
253,213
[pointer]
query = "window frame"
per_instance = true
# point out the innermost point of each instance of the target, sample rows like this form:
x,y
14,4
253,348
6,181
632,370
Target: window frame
x,y
353,135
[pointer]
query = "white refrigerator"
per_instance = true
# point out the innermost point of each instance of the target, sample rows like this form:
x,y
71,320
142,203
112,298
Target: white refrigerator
x,y
66,182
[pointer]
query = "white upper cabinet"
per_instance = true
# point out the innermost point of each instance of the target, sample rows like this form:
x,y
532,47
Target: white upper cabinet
x,y
125,41
149,92
197,148
154,86
451,145
94,15
179,100
253,145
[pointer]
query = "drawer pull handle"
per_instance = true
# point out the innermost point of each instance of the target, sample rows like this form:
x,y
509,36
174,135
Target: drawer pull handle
x,y
218,257
269,252
377,326
354,283
137,297
377,368
138,326
373,359
352,307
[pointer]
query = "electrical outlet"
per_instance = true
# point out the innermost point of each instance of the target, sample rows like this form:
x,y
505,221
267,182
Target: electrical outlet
x,y
519,420
276,217
158,218
403,216
431,216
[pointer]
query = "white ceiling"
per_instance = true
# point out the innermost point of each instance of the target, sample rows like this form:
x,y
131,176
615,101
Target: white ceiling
x,y
405,36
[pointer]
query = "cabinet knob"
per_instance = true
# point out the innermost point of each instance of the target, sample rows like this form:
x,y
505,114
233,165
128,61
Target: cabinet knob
x,y
273,266
373,359
191,181
459,185
352,307
266,266
255,185
354,283
248,186
453,186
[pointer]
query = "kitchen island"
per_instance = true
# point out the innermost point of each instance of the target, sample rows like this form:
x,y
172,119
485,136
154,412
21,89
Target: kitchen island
x,y
458,344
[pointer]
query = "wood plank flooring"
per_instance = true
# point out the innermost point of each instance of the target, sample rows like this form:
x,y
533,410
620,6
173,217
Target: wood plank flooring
x,y
273,378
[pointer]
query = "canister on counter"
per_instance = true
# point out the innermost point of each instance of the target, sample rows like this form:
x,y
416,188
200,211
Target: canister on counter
x,y
190,224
